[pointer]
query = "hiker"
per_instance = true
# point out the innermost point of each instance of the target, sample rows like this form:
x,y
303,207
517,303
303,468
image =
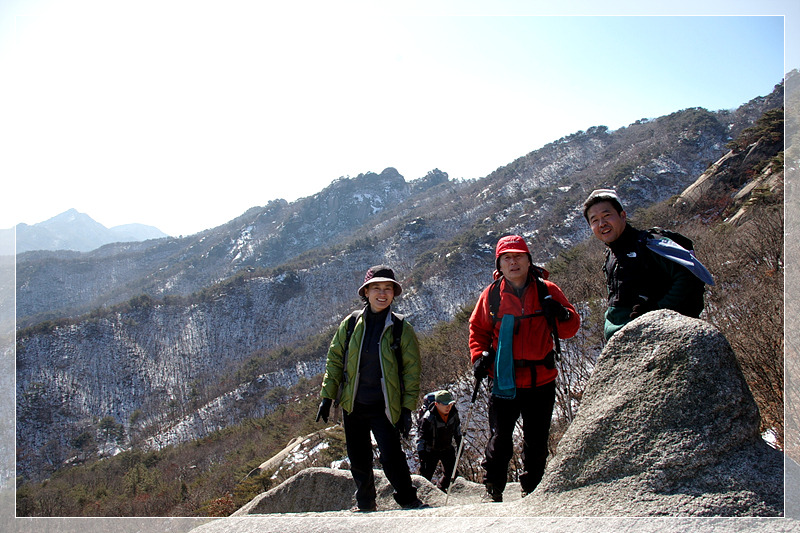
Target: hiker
x,y
638,279
513,336
438,428
376,396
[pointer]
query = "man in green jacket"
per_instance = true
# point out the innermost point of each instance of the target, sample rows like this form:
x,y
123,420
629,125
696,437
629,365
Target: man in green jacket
x,y
638,279
377,388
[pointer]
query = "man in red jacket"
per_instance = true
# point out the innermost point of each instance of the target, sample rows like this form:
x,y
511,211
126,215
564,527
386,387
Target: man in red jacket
x,y
511,339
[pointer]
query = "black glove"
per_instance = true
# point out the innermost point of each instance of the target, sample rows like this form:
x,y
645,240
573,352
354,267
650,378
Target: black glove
x,y
404,424
554,309
482,365
641,308
638,310
324,410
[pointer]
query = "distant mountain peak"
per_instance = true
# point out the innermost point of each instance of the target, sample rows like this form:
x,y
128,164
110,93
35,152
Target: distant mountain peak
x,y
70,216
77,231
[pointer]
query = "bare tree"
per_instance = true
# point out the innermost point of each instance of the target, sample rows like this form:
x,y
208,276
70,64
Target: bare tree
x,y
746,304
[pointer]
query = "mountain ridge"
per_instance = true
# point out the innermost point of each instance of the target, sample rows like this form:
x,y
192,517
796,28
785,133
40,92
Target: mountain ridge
x,y
258,281
648,161
75,231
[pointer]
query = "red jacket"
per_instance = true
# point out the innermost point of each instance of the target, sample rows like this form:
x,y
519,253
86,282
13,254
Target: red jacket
x,y
532,339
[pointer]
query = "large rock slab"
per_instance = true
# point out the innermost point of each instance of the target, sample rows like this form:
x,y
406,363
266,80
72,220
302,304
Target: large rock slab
x,y
667,426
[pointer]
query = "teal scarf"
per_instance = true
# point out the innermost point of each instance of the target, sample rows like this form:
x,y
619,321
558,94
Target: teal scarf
x,y
504,376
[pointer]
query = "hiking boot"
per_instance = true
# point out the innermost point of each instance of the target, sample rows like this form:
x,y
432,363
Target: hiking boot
x,y
493,493
412,503
365,509
415,504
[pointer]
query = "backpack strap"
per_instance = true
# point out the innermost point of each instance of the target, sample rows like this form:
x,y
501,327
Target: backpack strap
x,y
541,287
544,293
397,335
679,238
549,361
494,299
351,325
426,412
541,291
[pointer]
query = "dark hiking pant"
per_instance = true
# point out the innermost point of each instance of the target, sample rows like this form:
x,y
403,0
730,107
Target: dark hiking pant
x,y
429,459
357,427
535,406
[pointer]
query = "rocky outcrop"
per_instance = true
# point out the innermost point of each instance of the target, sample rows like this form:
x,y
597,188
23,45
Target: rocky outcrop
x,y
316,490
667,426
734,163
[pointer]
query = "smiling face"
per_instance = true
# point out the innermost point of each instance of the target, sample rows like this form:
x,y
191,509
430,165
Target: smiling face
x,y
380,295
606,222
514,267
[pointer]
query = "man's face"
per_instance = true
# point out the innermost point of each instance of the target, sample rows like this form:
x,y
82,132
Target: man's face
x,y
606,224
514,267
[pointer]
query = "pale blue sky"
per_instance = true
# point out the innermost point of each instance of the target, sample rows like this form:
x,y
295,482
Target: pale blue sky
x,y
183,115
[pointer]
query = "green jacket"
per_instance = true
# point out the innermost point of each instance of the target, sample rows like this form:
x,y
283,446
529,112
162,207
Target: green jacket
x,y
391,379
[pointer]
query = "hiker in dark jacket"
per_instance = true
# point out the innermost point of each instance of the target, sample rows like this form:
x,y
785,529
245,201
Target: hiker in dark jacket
x,y
638,279
438,428
374,395
514,346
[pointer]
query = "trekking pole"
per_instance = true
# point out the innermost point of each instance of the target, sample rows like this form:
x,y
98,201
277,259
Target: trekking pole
x,y
463,438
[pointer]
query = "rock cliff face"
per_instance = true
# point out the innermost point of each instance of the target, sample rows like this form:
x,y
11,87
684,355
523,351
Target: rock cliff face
x,y
153,357
755,162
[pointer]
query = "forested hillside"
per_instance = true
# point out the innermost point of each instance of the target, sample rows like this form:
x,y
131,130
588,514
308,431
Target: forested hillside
x,y
193,346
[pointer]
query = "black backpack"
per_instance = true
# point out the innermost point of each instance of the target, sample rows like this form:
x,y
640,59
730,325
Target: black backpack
x,y
694,304
679,238
397,333
428,403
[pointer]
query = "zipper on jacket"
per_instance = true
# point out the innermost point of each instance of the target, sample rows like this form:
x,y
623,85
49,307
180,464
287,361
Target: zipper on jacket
x,y
358,359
